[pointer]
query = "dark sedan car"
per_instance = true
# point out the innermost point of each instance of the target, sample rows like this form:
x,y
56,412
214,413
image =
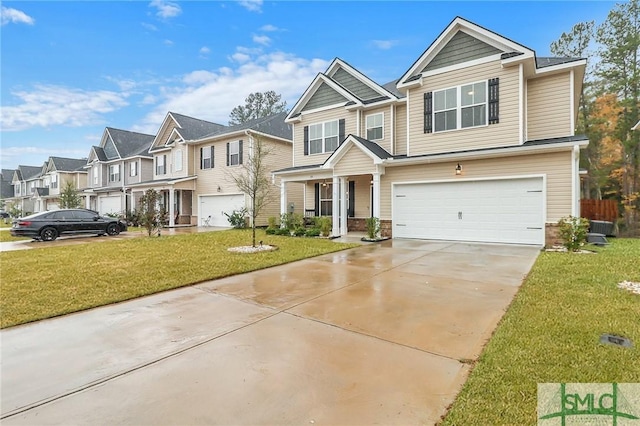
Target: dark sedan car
x,y
47,226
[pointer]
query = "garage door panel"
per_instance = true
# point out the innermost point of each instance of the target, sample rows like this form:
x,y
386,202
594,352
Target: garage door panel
x,y
217,205
508,210
109,204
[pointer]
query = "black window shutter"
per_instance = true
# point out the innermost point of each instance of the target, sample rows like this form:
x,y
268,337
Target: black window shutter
x,y
240,151
306,141
212,157
428,112
352,199
494,112
201,160
317,212
341,131
227,153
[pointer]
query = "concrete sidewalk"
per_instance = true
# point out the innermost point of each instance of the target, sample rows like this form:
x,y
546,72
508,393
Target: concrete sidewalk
x,y
369,335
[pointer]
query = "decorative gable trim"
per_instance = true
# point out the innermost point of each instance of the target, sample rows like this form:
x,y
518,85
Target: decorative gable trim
x,y
157,142
311,90
344,147
459,24
340,64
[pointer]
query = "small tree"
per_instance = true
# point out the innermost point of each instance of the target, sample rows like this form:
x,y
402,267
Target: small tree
x,y
69,198
253,180
149,213
257,105
14,211
573,231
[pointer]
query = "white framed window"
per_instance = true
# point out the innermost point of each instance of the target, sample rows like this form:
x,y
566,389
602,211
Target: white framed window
x,y
326,199
114,173
133,168
234,153
16,189
177,160
206,157
54,181
95,175
375,126
323,137
460,107
160,165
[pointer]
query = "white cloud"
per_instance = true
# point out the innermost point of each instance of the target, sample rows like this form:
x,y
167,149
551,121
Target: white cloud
x,y
212,94
149,27
166,9
384,44
269,28
49,105
240,57
15,16
251,5
204,51
149,100
262,39
168,42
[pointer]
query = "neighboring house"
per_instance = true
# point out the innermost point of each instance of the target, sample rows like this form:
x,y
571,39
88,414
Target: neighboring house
x,y
25,181
194,161
6,187
475,142
57,171
122,159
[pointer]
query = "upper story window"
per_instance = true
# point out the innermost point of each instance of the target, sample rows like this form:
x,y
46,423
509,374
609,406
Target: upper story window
x,y
95,175
375,129
234,153
161,161
177,160
54,181
461,107
206,157
133,168
32,186
114,173
16,189
323,137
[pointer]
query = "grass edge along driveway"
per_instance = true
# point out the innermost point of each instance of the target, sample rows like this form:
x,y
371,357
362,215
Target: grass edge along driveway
x,y
550,334
47,282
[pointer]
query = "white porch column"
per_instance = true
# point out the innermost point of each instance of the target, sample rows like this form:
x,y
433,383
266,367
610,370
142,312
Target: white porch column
x,y
87,201
335,210
376,195
172,213
283,197
343,205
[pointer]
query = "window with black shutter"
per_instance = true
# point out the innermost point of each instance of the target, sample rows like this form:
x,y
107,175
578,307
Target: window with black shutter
x,y
306,141
494,112
428,112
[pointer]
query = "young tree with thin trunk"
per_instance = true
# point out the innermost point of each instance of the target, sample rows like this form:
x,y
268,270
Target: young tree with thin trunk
x,y
254,180
149,211
69,198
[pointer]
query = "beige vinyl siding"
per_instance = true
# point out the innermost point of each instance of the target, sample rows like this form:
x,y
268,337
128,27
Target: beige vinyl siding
x,y
166,131
353,162
385,142
505,133
549,107
314,118
401,130
363,196
146,169
279,158
556,166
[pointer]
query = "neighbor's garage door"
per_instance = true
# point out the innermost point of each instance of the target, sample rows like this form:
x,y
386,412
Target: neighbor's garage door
x,y
499,211
109,204
216,206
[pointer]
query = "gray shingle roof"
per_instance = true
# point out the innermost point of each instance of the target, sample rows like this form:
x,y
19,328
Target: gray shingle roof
x,y
291,169
29,172
42,192
391,87
99,153
542,62
129,143
376,149
6,188
194,128
272,125
68,164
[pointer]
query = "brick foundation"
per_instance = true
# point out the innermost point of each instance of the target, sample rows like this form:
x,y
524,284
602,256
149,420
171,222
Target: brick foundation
x,y
385,228
552,235
356,225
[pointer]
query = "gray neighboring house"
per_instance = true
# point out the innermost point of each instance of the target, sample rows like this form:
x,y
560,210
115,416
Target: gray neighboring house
x,y
6,187
25,181
121,159
56,172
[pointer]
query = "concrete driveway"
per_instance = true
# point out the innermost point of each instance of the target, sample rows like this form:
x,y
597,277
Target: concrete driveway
x,y
375,334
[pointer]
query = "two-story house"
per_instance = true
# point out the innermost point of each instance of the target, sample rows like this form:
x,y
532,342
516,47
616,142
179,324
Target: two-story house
x,y
25,181
6,187
195,160
474,142
56,173
122,159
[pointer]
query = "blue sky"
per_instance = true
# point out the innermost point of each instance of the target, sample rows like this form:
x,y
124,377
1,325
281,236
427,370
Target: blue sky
x,y
69,69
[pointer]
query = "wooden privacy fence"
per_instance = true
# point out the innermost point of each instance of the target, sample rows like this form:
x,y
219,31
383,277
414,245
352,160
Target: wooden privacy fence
x,y
599,210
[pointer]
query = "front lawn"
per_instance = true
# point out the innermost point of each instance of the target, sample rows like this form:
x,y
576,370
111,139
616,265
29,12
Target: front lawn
x,y
47,282
5,237
550,334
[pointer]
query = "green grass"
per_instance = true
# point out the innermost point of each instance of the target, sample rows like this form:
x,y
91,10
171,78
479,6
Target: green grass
x,y
6,237
550,335
46,282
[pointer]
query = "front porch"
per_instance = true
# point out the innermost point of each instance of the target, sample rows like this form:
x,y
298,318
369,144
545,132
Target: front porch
x,y
176,199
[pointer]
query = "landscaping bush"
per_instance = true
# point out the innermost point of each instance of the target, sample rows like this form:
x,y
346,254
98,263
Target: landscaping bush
x,y
237,218
373,227
273,225
292,221
282,231
271,231
325,225
299,232
312,232
573,231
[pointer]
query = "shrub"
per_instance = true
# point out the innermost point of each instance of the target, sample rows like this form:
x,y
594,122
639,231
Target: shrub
x,y
271,231
292,221
237,218
325,225
282,231
573,231
273,222
312,232
373,227
299,232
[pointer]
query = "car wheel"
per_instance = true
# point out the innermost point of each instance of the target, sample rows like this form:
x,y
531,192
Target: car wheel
x,y
113,229
48,234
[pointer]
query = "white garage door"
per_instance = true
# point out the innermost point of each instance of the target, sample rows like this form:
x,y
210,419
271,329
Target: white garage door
x,y
216,206
499,211
109,204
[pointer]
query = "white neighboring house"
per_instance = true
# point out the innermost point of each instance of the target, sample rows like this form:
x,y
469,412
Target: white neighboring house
x,y
121,159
